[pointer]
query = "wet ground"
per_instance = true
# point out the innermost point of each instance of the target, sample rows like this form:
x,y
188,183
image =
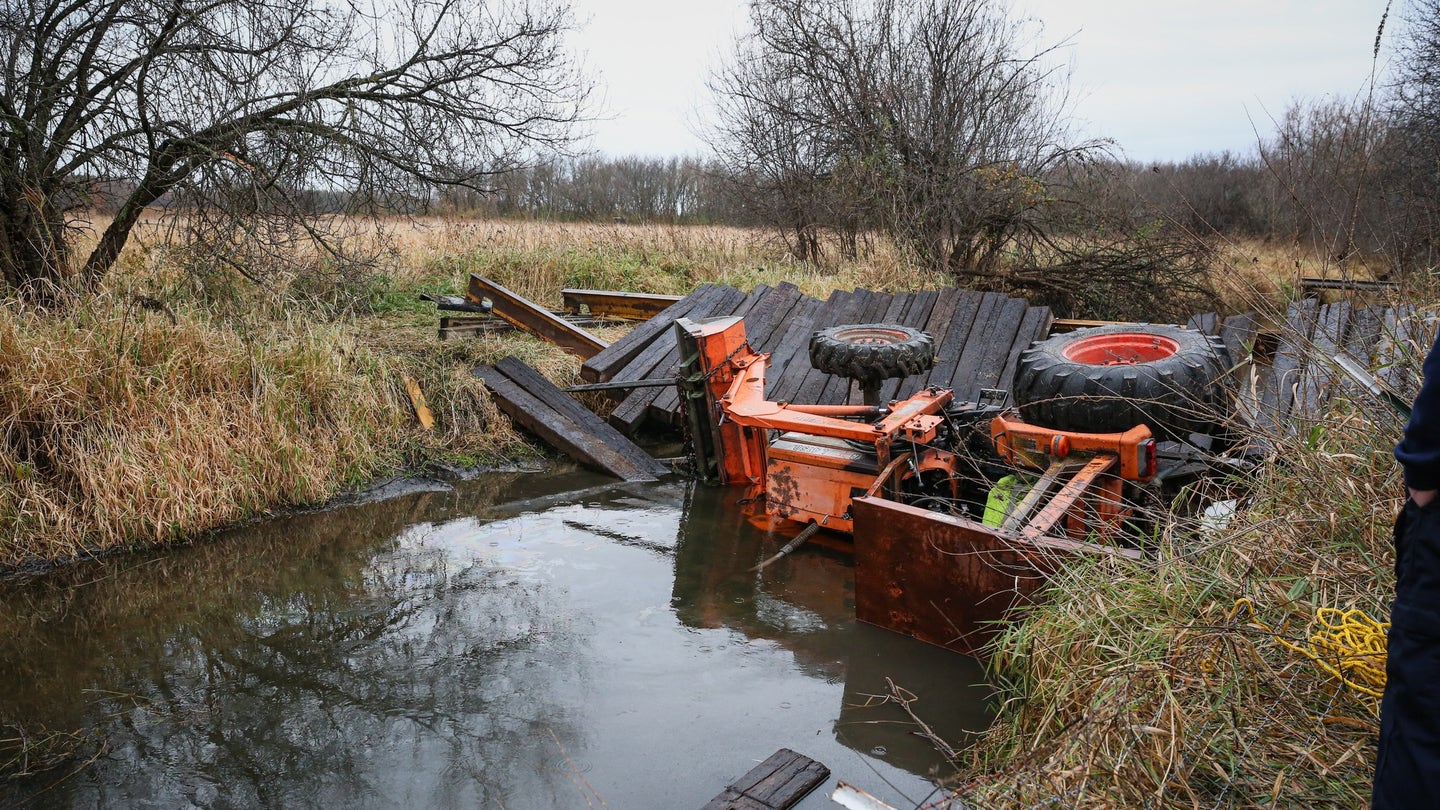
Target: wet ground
x,y
517,641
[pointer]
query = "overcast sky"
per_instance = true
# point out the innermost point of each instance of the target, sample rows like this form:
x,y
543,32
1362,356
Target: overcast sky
x,y
1166,79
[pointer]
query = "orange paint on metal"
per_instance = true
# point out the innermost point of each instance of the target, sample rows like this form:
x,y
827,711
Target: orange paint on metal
x,y
1020,442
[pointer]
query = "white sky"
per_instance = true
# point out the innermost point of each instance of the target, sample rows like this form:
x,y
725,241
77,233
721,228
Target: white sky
x,y
1166,79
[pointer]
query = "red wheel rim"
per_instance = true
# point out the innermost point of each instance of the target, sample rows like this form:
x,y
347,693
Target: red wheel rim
x,y
1120,348
870,334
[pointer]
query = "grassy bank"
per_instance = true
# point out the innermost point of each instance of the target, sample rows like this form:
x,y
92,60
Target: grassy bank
x,y
1239,665
1181,681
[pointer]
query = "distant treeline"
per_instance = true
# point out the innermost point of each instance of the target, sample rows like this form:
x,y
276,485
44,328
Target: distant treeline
x,y
633,189
1344,178
1334,177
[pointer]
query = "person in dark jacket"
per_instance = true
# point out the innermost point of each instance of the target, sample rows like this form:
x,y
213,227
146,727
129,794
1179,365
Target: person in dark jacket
x,y
1407,767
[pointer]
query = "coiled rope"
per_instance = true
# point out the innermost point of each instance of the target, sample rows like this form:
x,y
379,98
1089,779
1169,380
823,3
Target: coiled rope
x,y
1348,644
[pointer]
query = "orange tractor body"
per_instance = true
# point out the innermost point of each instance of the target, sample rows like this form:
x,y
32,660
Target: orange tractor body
x,y
956,511
808,463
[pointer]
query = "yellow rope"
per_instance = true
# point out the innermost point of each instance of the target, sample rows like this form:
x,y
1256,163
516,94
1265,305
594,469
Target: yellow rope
x,y
1348,644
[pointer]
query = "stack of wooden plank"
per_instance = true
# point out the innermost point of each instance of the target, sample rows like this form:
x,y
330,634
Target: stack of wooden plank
x,y
978,340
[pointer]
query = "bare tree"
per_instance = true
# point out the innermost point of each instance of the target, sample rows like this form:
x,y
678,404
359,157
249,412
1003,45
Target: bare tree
x,y
1415,137
772,144
1322,164
260,107
932,117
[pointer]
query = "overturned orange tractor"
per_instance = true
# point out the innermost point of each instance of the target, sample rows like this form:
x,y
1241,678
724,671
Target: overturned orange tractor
x,y
957,510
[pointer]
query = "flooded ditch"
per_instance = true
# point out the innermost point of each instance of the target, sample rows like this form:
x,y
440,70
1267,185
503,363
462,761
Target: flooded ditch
x,y
516,641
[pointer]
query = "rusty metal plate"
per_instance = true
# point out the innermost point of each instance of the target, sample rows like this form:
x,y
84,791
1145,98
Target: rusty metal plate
x,y
947,580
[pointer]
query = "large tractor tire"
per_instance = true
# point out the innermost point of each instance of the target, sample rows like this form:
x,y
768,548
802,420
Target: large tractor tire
x,y
872,352
1109,379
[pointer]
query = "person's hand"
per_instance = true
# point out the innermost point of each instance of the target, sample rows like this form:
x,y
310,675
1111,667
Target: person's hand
x,y
1422,496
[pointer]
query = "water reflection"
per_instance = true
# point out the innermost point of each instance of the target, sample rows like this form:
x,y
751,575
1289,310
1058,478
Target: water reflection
x,y
518,641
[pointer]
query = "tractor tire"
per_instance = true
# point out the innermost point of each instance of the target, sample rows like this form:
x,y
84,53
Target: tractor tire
x,y
871,352
1109,379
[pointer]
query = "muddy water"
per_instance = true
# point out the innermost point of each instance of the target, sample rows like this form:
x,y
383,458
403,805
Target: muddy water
x,y
517,641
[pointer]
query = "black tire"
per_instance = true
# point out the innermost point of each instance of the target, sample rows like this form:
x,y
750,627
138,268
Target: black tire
x,y
871,352
1109,379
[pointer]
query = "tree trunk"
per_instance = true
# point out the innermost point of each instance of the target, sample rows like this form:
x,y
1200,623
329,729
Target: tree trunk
x,y
34,253
164,174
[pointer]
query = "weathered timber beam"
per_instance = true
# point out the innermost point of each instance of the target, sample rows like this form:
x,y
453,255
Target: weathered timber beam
x,y
558,429
538,321
1071,324
1316,283
612,304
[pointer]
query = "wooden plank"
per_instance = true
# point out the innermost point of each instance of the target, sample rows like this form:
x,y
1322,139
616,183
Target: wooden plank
x,y
791,362
974,312
813,381
1364,332
423,414
1316,380
525,314
948,352
778,783
787,299
603,366
1400,351
536,384
666,403
643,365
555,429
455,327
914,315
1238,333
759,318
633,410
616,304
1311,283
942,314
1278,390
800,324
996,340
1071,324
1035,325
1207,322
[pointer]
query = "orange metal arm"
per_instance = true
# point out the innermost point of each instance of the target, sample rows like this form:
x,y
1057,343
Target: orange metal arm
x,y
745,403
1022,442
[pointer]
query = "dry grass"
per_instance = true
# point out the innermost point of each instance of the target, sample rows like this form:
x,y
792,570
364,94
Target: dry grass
x,y
125,428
